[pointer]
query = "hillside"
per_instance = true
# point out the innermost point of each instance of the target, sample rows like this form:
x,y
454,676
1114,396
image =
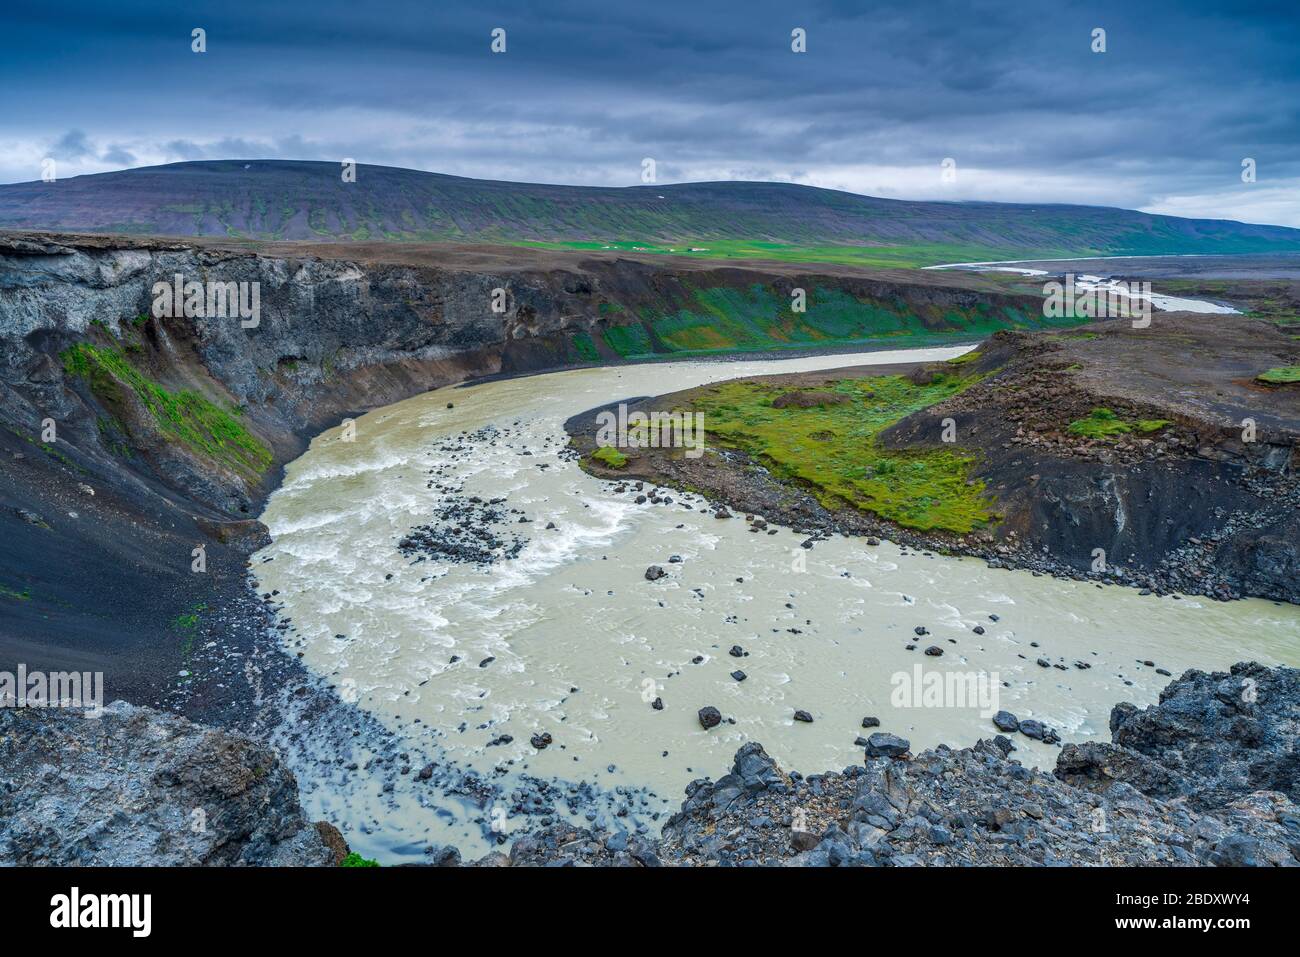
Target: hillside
x,y
296,200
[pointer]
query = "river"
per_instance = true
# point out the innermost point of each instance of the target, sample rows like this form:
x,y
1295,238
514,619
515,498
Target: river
x,y
580,643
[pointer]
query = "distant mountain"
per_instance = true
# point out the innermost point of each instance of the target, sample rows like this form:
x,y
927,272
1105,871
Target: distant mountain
x,y
295,200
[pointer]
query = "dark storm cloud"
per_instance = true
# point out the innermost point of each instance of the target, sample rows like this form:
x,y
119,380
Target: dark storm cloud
x,y
1011,91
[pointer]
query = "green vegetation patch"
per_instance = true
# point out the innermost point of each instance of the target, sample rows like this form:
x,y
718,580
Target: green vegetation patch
x,y
1282,375
610,456
200,424
1102,423
1147,426
628,341
832,449
356,860
728,319
585,346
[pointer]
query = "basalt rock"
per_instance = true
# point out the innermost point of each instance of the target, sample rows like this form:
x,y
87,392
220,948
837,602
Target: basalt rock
x,y
138,787
1213,738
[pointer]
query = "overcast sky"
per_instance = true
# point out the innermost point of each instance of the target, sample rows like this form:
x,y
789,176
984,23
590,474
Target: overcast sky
x,y
1011,91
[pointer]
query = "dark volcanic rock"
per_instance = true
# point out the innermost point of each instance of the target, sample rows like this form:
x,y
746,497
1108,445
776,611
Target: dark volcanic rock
x,y
710,717
138,787
464,531
1031,728
1215,737
882,744
1006,721
1095,765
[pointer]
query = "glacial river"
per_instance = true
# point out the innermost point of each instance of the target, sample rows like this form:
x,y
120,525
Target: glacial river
x,y
568,638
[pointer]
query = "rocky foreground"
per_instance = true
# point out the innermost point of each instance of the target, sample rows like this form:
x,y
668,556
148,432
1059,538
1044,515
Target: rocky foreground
x,y
1209,776
137,787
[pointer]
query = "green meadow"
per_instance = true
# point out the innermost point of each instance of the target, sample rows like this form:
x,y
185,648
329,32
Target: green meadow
x,y
832,448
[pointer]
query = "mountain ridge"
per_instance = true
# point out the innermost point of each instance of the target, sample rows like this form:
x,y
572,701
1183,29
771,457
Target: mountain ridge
x,y
308,200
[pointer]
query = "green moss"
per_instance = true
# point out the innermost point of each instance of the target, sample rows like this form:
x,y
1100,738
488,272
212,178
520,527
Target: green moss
x,y
1151,425
627,341
1282,375
610,456
1100,423
356,860
194,420
832,448
187,626
585,346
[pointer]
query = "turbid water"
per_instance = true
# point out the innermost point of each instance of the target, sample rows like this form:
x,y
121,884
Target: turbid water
x,y
568,638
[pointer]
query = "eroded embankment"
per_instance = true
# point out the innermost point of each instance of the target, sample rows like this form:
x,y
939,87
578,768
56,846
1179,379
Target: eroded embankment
x,y
138,448
1154,457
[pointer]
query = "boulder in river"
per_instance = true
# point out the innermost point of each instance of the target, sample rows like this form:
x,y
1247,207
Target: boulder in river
x,y
710,717
1038,731
1006,721
654,573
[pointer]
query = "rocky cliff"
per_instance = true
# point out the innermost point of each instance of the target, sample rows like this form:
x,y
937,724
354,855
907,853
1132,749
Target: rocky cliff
x,y
135,787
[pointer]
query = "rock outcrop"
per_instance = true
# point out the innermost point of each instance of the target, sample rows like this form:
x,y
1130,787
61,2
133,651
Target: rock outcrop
x,y
1225,798
1213,739
138,787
